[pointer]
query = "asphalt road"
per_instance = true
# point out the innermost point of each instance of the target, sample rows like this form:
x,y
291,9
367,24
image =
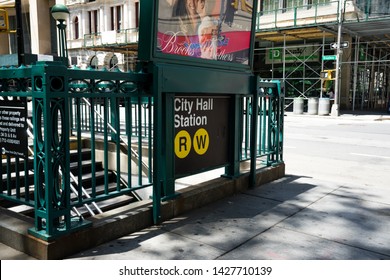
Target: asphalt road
x,y
350,149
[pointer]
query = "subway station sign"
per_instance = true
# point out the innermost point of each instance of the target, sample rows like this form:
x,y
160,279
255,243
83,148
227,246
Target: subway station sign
x,y
201,132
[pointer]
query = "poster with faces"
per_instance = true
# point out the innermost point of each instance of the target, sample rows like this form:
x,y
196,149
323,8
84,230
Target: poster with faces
x,y
205,29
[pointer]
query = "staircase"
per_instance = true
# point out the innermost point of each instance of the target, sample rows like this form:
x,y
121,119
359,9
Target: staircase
x,y
99,178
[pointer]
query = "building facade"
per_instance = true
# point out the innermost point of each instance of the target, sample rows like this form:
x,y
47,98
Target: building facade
x,y
37,27
103,33
296,41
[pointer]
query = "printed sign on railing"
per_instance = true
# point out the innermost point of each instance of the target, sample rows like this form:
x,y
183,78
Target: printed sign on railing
x,y
13,133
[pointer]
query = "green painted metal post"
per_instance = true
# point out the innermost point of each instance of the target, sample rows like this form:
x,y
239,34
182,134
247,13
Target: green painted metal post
x,y
236,121
169,190
51,149
254,134
158,143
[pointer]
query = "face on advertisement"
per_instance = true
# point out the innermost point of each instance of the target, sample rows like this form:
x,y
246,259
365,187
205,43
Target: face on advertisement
x,y
185,11
208,7
200,7
208,29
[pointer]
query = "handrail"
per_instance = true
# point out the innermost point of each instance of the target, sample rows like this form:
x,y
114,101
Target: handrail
x,y
134,153
30,134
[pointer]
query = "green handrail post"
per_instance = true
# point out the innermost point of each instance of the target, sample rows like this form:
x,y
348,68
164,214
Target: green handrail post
x,y
169,190
51,148
233,169
254,133
158,143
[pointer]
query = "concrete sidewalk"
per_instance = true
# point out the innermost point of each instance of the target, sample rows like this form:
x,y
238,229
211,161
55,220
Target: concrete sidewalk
x,y
292,218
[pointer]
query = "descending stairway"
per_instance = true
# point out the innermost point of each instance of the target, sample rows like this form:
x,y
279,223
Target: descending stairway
x,y
87,181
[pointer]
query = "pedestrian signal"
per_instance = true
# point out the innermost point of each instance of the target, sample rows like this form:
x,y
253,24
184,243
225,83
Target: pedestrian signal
x,y
3,20
328,75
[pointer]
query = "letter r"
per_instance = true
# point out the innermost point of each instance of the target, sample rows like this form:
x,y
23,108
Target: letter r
x,y
182,143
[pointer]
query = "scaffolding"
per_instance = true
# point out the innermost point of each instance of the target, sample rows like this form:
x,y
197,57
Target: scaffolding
x,y
295,45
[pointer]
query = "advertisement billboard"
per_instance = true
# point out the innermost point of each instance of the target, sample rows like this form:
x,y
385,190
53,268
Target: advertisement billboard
x,y
217,30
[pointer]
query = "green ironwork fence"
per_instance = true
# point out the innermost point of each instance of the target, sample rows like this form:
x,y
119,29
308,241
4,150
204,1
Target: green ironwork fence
x,y
102,123
113,112
104,116
16,172
262,128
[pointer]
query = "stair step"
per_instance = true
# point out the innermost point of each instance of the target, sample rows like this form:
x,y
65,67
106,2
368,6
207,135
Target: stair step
x,y
99,177
30,165
100,189
108,204
22,209
85,166
30,180
75,155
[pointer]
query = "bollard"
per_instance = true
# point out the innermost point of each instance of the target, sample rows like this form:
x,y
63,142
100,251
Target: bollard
x,y
298,105
324,106
312,106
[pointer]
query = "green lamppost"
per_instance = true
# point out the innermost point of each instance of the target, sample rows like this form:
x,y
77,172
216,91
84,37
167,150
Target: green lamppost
x,y
60,13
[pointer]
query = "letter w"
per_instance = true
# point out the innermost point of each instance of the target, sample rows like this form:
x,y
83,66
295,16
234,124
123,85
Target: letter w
x,y
201,141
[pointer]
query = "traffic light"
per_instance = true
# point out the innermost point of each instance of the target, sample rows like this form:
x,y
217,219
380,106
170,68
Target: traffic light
x,y
3,20
328,74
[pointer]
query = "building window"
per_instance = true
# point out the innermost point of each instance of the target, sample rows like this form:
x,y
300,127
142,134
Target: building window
x,y
93,21
76,28
267,6
283,5
319,1
136,14
116,18
270,6
12,36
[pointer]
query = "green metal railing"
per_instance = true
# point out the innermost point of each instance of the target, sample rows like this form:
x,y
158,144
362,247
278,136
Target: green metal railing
x,y
109,117
112,109
262,129
16,172
46,180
